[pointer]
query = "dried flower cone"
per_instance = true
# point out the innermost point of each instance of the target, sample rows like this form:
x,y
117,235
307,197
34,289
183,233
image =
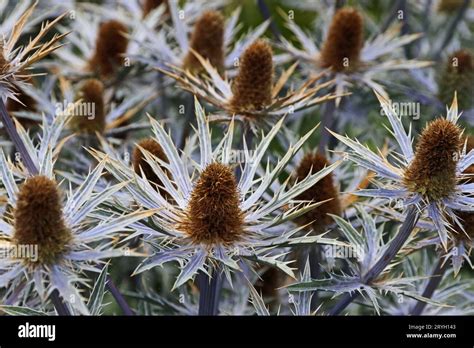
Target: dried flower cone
x,y
140,164
458,76
432,173
213,214
321,191
252,87
341,50
207,40
110,48
91,95
38,219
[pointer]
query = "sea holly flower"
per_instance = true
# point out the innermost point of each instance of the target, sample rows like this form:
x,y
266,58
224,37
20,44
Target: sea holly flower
x,y
365,248
99,48
252,96
213,37
212,216
351,59
428,177
66,231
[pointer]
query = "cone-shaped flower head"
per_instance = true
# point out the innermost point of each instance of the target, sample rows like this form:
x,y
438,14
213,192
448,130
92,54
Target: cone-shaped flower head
x,y
321,191
252,87
213,215
38,219
432,173
207,40
345,39
89,113
140,163
458,76
111,45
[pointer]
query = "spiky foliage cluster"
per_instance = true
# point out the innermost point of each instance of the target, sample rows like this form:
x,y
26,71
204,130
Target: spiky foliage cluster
x,y
190,159
457,75
433,171
252,88
207,40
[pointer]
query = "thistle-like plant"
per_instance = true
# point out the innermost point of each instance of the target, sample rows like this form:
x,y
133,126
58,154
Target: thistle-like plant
x,y
252,96
429,177
213,220
366,248
351,59
67,230
213,38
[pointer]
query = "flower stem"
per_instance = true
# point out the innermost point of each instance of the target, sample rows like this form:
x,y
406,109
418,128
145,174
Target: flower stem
x,y
15,138
452,28
60,306
327,122
433,283
118,297
315,270
267,15
392,250
210,289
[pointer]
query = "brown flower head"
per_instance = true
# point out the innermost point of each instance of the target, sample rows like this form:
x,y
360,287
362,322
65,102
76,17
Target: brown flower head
x,y
207,40
341,50
321,191
432,172
458,76
89,115
111,44
252,87
139,160
38,220
213,214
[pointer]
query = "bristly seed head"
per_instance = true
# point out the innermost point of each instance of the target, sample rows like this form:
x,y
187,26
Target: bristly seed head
x,y
213,215
139,161
207,40
321,191
91,95
458,76
111,45
341,50
252,87
432,172
38,220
